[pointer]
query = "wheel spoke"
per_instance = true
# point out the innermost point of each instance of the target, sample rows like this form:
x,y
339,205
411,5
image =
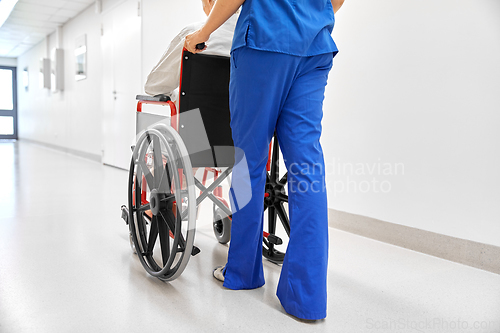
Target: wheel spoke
x,y
164,240
144,208
169,219
282,197
153,234
284,218
147,174
158,163
169,178
284,179
271,220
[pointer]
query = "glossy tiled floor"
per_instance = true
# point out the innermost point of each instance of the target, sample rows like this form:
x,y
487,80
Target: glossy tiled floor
x,y
66,266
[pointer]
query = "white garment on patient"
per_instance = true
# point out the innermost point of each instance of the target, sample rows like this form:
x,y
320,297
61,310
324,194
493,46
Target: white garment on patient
x,y
165,76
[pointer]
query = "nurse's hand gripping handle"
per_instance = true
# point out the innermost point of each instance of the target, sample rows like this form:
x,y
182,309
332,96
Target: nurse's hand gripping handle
x,y
200,46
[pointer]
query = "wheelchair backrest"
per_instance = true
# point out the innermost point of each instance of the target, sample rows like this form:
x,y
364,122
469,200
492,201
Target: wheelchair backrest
x,y
205,86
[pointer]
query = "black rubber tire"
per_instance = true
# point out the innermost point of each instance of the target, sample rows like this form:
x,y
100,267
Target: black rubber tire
x,y
222,226
163,239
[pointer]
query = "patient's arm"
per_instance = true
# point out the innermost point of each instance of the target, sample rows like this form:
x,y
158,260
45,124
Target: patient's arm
x,y
164,78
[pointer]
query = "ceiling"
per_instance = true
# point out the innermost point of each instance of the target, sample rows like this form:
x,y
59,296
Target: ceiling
x,y
32,20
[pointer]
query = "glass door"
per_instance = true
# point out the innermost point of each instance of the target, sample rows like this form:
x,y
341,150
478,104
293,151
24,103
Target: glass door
x,y
8,103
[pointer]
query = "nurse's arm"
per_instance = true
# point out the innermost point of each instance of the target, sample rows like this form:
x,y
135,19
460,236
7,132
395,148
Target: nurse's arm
x,y
336,4
222,11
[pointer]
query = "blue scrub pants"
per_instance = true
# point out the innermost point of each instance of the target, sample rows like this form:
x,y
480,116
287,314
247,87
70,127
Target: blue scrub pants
x,y
269,91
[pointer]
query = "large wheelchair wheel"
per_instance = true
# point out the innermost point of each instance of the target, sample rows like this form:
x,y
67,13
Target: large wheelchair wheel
x,y
162,202
274,199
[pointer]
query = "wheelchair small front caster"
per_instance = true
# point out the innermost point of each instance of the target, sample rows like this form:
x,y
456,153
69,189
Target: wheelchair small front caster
x,y
222,226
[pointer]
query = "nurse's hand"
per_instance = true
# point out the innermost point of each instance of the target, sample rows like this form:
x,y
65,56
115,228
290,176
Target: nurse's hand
x,y
196,37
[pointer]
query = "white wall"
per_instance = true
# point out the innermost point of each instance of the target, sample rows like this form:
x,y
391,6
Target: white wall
x,y
72,118
418,83
11,62
162,21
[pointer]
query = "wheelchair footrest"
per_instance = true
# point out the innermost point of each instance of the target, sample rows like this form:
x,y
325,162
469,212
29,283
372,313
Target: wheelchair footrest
x,y
125,214
194,251
273,239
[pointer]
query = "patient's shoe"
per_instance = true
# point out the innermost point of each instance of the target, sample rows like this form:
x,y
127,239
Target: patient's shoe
x,y
219,273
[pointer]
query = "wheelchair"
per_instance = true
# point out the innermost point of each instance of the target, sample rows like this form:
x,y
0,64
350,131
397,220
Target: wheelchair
x,y
162,186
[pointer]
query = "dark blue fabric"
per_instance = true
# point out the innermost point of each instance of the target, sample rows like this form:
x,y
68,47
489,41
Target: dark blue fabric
x,y
271,91
296,27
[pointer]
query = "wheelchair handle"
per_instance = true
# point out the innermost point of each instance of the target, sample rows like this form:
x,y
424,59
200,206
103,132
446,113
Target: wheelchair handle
x,y
200,46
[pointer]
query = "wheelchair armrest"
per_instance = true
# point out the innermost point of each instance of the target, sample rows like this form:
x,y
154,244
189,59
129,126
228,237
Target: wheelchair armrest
x,y
156,98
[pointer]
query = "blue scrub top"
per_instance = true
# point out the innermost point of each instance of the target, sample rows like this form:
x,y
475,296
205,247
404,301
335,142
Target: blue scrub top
x,y
295,27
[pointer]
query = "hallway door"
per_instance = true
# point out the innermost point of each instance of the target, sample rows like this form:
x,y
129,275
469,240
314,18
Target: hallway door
x,y
121,47
8,103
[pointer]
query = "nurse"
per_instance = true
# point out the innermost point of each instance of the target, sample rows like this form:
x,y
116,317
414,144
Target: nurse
x,y
281,55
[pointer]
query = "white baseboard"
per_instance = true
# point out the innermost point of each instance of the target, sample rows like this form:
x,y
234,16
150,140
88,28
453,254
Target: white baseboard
x,y
90,156
478,255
